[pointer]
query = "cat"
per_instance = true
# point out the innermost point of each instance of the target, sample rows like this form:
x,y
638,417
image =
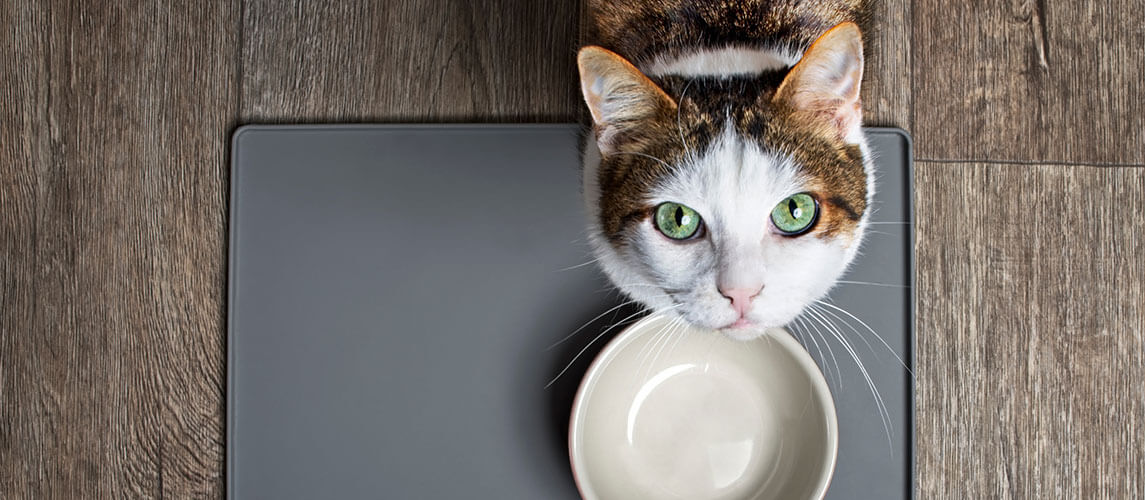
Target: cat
x,y
726,175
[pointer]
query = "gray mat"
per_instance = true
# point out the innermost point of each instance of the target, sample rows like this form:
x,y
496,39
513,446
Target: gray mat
x,y
393,291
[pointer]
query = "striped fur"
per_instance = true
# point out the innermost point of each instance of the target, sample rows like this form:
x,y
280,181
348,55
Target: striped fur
x,y
697,99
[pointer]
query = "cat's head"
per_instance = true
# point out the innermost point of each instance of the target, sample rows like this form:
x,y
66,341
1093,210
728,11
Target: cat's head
x,y
732,202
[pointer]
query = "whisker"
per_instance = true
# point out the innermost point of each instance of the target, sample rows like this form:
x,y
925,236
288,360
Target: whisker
x,y
880,404
683,331
659,347
887,223
593,341
662,162
861,322
819,349
677,333
678,326
852,327
679,122
648,348
834,359
591,321
880,233
831,352
570,268
888,285
813,314
798,334
801,336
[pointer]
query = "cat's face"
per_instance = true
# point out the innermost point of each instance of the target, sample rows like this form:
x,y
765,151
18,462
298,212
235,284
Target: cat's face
x,y
733,202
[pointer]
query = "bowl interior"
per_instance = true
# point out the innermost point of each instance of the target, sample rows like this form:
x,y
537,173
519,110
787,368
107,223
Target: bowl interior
x,y
667,411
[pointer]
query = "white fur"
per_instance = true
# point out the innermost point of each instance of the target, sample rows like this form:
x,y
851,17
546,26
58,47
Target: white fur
x,y
734,186
727,61
869,170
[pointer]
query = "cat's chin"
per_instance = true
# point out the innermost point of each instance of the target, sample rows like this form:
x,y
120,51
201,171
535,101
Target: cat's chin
x,y
743,333
741,330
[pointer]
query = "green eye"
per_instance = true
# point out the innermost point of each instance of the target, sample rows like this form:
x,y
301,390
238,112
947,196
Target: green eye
x,y
795,215
677,221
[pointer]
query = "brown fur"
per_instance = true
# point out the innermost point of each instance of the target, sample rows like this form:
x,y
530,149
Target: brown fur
x,y
836,168
641,30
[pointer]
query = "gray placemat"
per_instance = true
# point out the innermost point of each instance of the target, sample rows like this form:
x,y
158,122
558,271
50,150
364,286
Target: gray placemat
x,y
394,291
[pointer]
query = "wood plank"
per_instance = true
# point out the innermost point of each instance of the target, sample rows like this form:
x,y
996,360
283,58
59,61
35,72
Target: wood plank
x,y
1047,80
887,76
113,347
23,146
1031,331
424,60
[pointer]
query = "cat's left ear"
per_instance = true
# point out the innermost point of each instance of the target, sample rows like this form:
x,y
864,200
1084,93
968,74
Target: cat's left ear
x,y
620,98
824,86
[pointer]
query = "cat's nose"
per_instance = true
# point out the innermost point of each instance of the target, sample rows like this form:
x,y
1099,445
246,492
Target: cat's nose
x,y
741,298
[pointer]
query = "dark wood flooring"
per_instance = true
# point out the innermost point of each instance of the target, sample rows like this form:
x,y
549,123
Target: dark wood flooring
x,y
1027,120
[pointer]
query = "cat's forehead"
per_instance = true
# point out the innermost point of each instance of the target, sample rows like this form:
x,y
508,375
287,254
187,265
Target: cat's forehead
x,y
706,105
732,174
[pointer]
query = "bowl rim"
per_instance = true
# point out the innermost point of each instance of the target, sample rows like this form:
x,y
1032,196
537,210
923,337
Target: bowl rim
x,y
788,342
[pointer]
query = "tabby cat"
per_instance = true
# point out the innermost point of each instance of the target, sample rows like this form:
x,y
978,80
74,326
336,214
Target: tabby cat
x,y
727,177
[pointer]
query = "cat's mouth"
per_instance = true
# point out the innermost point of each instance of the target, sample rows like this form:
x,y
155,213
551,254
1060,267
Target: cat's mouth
x,y
740,324
743,329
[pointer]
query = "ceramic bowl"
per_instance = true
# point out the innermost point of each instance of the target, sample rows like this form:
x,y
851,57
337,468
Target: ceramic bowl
x,y
669,411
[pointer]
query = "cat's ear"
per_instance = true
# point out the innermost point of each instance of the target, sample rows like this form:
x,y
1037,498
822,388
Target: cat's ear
x,y
618,95
824,86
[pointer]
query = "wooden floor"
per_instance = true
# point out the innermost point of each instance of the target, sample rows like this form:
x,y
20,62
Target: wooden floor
x,y
1030,148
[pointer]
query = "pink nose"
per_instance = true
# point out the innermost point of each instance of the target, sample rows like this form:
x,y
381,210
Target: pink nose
x,y
741,298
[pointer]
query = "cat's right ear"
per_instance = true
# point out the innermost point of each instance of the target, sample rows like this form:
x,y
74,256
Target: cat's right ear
x,y
824,86
618,95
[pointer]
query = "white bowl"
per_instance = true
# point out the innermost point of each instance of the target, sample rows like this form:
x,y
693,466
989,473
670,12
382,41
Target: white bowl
x,y
696,415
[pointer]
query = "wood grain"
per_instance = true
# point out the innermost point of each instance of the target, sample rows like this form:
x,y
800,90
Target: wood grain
x,y
1026,80
1031,331
23,145
412,61
114,205
113,201
887,75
